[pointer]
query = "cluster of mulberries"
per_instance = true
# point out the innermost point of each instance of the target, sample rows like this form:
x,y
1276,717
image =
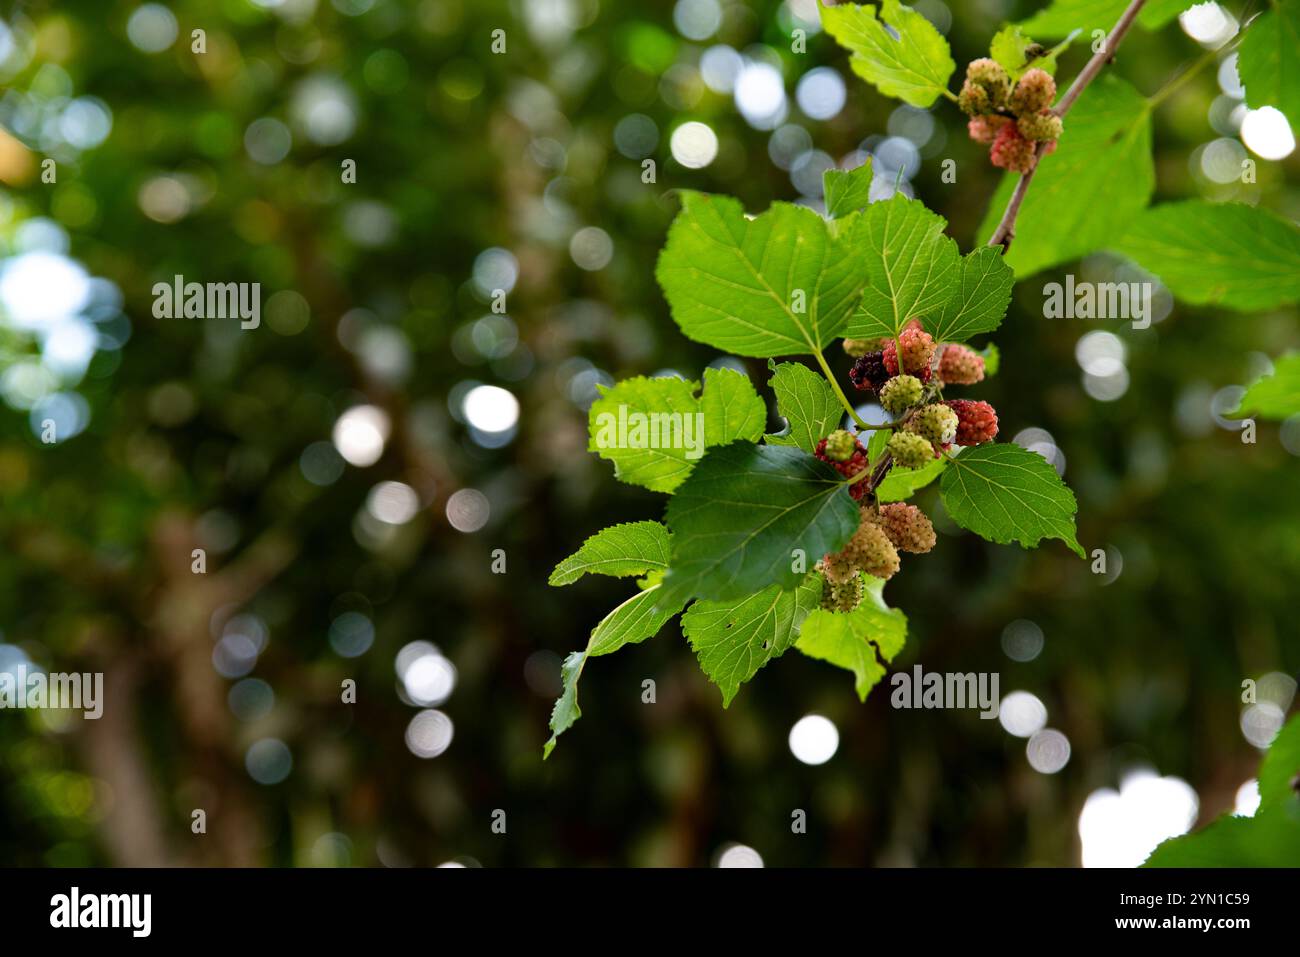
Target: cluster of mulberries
x,y
1011,119
907,375
845,453
882,533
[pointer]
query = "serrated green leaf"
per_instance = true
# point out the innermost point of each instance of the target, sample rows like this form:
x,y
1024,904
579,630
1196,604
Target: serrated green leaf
x,y
857,640
733,639
1280,769
1063,16
847,191
980,300
632,548
655,430
566,710
1275,396
777,284
1104,151
1010,47
808,404
633,621
732,409
911,266
1269,839
1227,254
901,484
1267,61
1005,493
744,510
913,63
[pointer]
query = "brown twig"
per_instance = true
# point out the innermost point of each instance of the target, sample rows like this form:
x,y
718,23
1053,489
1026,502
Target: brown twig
x,y
1006,230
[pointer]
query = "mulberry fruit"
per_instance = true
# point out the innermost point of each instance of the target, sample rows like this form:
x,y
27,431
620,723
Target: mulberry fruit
x,y
909,450
935,423
907,527
838,568
842,596
1045,125
840,446
993,79
871,550
977,422
918,350
901,393
1011,151
960,366
869,373
974,99
983,129
855,464
1034,93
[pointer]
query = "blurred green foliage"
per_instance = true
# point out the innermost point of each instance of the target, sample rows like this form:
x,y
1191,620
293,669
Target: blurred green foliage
x,y
197,432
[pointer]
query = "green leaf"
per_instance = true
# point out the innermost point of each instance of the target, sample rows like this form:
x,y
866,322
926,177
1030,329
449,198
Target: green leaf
x,y
1010,47
732,409
1281,766
1063,16
633,548
980,302
910,264
655,430
1005,493
633,621
776,284
857,640
912,64
738,519
847,191
1275,396
1267,63
992,359
901,484
1104,151
733,639
1269,839
566,710
876,445
1228,254
808,404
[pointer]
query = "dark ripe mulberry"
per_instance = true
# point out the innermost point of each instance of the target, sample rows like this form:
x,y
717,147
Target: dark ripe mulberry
x,y
869,373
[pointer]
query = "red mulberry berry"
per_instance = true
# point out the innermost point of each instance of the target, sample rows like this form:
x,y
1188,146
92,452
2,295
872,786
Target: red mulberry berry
x,y
907,527
977,422
918,350
960,366
1012,151
856,463
983,129
869,373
